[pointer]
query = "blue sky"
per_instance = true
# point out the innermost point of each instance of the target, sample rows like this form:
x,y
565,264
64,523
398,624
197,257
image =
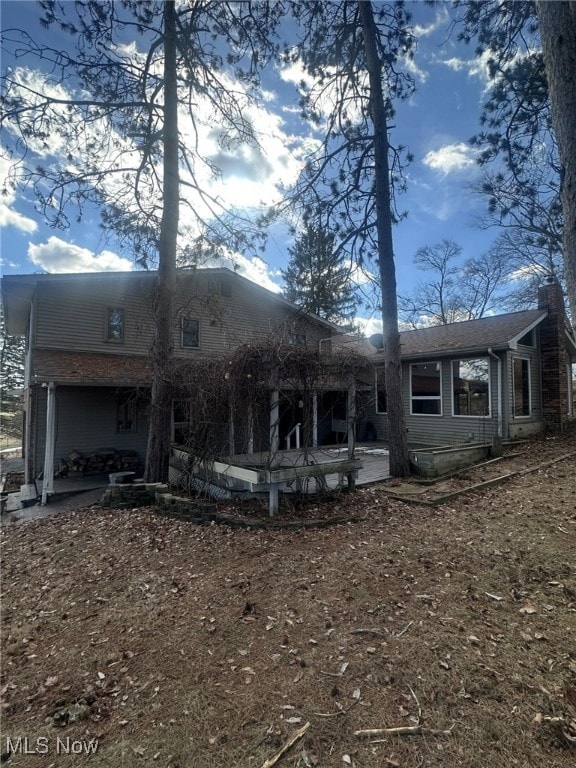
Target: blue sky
x,y
435,124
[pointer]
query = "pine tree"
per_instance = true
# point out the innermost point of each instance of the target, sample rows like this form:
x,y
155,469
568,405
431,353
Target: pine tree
x,y
318,280
353,55
119,112
11,381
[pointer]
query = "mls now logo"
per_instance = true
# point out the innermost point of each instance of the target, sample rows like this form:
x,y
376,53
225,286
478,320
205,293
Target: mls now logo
x,y
42,745
25,746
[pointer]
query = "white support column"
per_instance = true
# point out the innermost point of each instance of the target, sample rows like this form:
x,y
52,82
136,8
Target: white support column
x,y
48,478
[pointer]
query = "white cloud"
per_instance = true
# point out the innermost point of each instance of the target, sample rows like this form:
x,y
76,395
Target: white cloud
x,y
369,325
450,158
9,217
59,257
325,97
223,174
441,19
456,64
479,66
254,269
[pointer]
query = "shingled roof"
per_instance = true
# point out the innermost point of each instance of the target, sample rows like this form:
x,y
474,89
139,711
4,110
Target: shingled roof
x,y
469,337
85,368
472,336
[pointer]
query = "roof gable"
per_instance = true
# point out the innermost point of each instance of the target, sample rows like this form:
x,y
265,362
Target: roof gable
x,y
472,336
18,290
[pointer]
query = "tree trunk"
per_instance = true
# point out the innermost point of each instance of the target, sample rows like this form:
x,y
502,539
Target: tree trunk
x,y
558,34
398,446
158,450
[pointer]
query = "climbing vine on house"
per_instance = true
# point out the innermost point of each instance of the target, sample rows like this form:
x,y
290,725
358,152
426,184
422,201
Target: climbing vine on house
x,y
223,404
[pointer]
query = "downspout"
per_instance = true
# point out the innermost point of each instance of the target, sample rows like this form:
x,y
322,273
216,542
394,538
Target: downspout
x,y
499,387
351,426
48,476
27,437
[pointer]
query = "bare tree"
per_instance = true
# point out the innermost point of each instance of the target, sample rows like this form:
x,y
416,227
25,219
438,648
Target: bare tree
x,y
455,290
100,125
12,353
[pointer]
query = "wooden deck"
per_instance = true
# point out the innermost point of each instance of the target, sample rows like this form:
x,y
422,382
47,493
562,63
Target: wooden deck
x,y
374,458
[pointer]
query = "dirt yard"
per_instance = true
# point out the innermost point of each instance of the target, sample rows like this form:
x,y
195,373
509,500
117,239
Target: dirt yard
x,y
448,630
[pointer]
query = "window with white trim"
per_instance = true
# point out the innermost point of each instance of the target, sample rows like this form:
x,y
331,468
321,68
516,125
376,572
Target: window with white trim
x,y
471,387
522,401
426,389
380,393
190,332
115,324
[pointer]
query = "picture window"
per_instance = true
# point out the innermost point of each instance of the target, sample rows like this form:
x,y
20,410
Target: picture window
x,y
115,324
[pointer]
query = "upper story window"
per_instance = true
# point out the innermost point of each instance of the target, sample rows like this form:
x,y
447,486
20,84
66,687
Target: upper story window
x,y
381,406
297,339
115,324
471,387
426,388
521,386
190,332
527,339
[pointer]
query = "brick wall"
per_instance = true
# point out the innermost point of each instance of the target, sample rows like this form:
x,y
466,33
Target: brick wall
x,y
554,357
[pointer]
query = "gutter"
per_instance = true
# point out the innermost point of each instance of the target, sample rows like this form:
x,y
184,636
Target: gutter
x,y
499,385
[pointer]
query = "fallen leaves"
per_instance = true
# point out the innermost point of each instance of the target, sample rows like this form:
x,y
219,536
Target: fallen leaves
x,y
229,642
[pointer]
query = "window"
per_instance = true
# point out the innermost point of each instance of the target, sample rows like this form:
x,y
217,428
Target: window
x,y
426,388
181,418
380,391
521,386
297,339
471,387
115,324
127,412
527,339
190,332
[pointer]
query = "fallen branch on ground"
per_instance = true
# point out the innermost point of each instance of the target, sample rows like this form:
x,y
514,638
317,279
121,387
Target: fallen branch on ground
x,y
285,747
405,730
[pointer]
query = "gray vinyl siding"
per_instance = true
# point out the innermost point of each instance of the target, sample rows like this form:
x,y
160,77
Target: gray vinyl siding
x,y
71,315
86,422
244,317
446,429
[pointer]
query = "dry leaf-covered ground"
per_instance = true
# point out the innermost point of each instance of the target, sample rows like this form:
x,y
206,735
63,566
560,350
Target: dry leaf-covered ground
x,y
134,640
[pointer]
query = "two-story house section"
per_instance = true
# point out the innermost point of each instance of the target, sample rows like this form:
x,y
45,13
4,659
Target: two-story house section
x,y
88,342
88,373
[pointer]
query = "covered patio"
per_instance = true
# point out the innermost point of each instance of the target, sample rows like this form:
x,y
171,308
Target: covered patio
x,y
372,458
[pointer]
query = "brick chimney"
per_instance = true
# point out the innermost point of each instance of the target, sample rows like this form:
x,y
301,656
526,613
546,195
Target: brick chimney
x,y
554,355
